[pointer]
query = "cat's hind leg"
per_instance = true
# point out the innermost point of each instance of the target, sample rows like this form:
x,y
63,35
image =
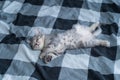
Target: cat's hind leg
x,y
97,32
104,43
98,42
94,26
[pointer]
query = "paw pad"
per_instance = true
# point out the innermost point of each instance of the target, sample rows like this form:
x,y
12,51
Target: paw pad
x,y
47,58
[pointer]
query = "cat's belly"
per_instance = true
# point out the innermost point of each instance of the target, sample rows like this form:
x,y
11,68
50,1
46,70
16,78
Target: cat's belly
x,y
72,40
85,35
86,38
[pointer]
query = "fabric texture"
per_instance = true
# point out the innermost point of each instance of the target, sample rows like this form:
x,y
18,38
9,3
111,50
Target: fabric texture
x,y
19,18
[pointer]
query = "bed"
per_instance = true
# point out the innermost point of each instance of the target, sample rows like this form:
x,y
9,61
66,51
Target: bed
x,y
19,17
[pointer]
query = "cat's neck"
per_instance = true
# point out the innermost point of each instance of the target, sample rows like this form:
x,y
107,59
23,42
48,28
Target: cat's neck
x,y
43,42
47,40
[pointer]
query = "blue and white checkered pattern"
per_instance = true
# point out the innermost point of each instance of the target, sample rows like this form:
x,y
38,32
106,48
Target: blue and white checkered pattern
x,y
19,62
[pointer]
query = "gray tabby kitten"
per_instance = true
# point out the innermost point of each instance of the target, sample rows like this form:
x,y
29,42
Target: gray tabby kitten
x,y
52,46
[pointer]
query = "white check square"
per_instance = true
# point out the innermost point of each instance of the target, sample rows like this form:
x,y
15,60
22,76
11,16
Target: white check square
x,y
89,15
117,67
97,1
76,61
118,40
13,7
27,55
14,77
49,11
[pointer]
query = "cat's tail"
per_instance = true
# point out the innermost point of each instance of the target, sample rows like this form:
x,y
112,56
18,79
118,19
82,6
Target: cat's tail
x,y
94,26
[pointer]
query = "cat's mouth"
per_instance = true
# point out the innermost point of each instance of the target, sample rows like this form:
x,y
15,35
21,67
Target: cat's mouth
x,y
36,47
37,44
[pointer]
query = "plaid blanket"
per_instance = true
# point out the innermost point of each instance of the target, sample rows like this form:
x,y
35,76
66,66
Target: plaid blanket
x,y
19,62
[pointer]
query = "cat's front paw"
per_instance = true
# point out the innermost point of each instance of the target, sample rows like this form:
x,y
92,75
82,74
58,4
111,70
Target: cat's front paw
x,y
42,55
106,43
49,57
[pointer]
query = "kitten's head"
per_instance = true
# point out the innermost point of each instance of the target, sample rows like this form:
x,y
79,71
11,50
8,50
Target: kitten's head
x,y
37,41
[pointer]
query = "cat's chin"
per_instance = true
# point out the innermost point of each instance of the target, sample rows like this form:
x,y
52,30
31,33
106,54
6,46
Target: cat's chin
x,y
37,48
